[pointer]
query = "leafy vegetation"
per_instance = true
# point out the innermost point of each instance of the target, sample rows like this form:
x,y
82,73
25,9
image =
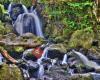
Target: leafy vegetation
x,y
73,15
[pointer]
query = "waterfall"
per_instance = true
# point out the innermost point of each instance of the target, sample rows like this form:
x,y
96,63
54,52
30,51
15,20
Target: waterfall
x,y
1,58
29,22
18,25
25,9
10,8
81,56
85,60
41,71
24,21
64,59
44,55
15,10
96,76
38,24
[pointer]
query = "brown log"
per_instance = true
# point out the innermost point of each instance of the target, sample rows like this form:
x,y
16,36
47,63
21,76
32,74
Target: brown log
x,y
7,56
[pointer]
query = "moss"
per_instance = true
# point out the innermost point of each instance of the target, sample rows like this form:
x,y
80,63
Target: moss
x,y
60,47
7,73
82,38
81,78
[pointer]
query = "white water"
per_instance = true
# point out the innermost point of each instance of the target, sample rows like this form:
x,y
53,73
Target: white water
x,y
81,56
53,62
25,9
18,25
41,71
85,60
38,24
1,57
37,27
26,52
44,55
64,59
71,71
10,8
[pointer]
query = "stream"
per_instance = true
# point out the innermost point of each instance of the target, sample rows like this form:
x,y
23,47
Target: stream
x,y
47,66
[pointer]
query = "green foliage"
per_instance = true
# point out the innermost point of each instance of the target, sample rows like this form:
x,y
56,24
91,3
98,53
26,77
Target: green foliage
x,y
83,38
74,15
4,1
4,29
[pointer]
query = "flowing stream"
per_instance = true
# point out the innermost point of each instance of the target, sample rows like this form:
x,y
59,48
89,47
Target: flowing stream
x,y
86,61
30,22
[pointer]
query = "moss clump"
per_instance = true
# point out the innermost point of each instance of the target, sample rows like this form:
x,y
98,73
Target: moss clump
x,y
4,29
10,73
83,38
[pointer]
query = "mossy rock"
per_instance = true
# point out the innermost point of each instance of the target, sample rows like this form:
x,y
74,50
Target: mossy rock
x,y
10,73
5,28
59,47
53,30
83,38
81,78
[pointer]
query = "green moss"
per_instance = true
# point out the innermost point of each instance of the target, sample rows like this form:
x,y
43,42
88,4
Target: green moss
x,y
81,78
5,28
82,38
7,73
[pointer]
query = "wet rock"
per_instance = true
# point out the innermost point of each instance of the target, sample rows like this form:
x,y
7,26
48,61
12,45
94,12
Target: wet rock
x,y
60,47
56,51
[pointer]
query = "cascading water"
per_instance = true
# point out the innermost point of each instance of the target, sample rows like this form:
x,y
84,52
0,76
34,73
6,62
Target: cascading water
x,y
44,55
41,71
38,24
1,58
10,8
18,24
85,60
29,22
64,59
25,9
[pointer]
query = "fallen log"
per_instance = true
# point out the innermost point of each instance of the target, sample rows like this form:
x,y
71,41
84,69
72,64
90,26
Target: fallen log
x,y
7,56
